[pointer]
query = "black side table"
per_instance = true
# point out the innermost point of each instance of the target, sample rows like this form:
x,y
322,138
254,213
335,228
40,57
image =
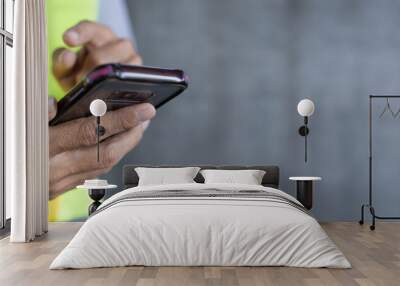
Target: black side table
x,y
96,193
305,190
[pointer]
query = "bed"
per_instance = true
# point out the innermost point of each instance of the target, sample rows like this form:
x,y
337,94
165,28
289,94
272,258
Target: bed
x,y
198,224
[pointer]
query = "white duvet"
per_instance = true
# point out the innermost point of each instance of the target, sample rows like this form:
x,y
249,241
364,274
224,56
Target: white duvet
x,y
200,231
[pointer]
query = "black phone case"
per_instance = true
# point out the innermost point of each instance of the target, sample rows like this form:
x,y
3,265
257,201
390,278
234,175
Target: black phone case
x,y
120,86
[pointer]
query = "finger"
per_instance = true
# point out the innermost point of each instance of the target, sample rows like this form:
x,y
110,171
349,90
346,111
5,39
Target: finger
x,y
82,132
145,125
64,62
134,60
68,79
85,159
119,51
71,182
52,107
88,33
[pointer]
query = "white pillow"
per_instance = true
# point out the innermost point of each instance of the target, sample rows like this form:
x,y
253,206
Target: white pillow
x,y
162,176
248,177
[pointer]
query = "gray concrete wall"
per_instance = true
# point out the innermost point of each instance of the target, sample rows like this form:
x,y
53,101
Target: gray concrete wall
x,y
250,62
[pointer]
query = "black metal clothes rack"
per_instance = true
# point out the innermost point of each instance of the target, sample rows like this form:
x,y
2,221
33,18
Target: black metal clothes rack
x,y
370,202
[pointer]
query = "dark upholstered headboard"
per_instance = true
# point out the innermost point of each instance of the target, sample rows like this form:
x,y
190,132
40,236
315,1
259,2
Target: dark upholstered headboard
x,y
271,177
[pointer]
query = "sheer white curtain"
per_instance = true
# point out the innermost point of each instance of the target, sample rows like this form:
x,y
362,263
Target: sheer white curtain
x,y
27,124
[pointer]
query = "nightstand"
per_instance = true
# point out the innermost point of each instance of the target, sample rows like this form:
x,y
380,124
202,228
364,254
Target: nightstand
x,y
96,193
305,190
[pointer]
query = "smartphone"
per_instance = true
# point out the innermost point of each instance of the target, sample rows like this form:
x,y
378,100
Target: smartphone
x,y
120,86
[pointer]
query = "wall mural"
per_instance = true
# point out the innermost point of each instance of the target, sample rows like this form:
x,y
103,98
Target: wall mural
x,y
249,64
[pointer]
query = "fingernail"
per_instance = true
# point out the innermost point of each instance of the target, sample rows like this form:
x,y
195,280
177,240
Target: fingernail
x,y
145,112
52,107
68,58
145,125
72,36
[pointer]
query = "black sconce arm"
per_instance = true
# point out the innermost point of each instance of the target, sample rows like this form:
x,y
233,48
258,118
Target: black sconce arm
x,y
304,131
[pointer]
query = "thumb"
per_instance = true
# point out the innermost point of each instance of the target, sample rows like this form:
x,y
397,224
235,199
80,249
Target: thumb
x,y
63,64
52,109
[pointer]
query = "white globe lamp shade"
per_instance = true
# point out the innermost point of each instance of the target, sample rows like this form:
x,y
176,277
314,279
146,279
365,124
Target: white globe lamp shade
x,y
305,107
98,107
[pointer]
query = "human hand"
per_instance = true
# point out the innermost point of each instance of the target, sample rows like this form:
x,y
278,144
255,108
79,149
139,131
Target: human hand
x,y
99,45
72,145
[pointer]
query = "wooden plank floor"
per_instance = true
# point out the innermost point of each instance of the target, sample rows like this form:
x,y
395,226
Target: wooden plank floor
x,y
375,257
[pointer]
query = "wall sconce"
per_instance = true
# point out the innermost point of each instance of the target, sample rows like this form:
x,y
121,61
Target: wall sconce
x,y
305,108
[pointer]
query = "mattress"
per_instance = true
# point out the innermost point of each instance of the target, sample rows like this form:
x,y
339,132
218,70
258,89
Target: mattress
x,y
201,225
